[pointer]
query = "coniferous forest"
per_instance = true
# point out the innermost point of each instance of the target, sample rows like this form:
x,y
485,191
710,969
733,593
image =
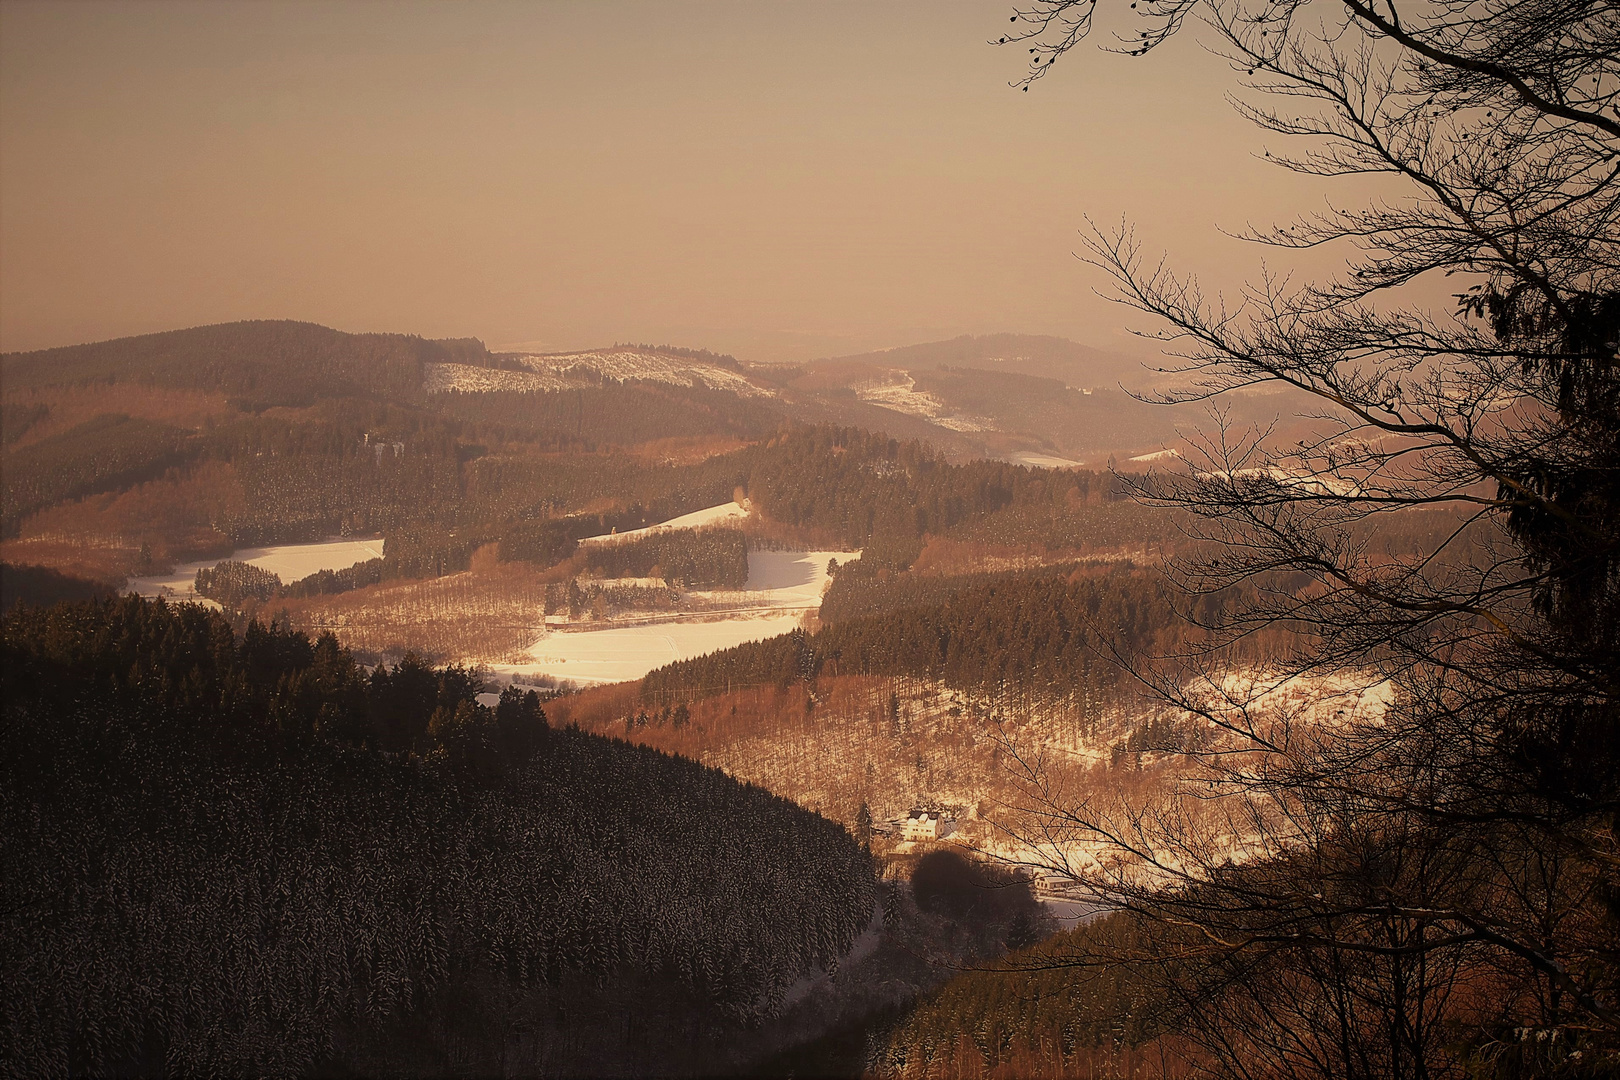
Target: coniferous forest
x,y
245,855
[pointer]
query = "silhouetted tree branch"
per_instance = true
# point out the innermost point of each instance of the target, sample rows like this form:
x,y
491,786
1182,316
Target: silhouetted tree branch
x,y
1405,828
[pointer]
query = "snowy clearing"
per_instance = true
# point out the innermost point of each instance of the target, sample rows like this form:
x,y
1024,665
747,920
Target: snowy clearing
x,y
626,365
898,392
697,519
561,371
1071,913
1327,700
1042,461
1321,482
624,653
467,379
782,586
290,561
1158,455
965,423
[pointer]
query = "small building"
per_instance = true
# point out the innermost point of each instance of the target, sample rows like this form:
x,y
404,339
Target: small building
x,y
1051,884
925,825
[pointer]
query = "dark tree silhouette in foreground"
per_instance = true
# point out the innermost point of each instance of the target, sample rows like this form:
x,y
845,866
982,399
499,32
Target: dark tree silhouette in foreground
x,y
1427,884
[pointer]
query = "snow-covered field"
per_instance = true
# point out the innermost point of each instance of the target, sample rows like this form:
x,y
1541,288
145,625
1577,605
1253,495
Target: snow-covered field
x,y
901,395
782,586
557,371
1159,455
1330,700
290,561
698,519
1041,461
899,392
629,652
468,379
965,423
1071,912
627,364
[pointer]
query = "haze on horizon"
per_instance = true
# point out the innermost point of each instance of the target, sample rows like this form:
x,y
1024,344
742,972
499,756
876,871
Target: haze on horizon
x,y
779,181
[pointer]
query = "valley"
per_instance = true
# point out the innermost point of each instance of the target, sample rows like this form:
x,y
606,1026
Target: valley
x,y
451,564
667,541
669,552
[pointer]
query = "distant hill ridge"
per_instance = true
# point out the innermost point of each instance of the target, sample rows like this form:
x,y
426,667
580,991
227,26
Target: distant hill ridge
x,y
1040,355
1007,396
260,363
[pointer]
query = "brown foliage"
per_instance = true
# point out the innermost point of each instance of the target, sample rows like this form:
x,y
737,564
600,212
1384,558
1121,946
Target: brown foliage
x,y
73,405
490,614
687,449
943,555
174,517
110,559
891,743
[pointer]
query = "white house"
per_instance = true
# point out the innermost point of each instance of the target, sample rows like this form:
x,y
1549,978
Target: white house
x,y
925,825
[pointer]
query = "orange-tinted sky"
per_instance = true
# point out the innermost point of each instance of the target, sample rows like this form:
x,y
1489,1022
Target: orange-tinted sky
x,y
772,179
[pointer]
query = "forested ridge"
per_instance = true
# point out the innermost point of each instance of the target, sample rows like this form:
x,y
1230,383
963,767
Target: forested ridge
x,y
279,432
260,363
587,418
246,854
439,488
1056,632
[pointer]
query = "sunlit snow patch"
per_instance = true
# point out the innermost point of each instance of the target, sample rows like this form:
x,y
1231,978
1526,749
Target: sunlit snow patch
x,y
713,515
625,365
1316,482
289,561
1041,461
782,586
467,379
561,371
898,392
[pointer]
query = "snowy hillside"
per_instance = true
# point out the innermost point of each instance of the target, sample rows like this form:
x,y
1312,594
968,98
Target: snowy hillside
x,y
468,379
725,513
897,390
558,371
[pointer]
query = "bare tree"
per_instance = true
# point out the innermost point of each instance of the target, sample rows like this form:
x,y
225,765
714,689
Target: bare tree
x,y
1425,879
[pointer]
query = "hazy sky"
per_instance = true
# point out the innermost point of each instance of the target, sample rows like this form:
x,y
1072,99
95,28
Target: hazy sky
x,y
773,179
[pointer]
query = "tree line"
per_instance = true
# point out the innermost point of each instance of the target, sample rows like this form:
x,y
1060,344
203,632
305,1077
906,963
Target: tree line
x,y
258,364
1056,632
